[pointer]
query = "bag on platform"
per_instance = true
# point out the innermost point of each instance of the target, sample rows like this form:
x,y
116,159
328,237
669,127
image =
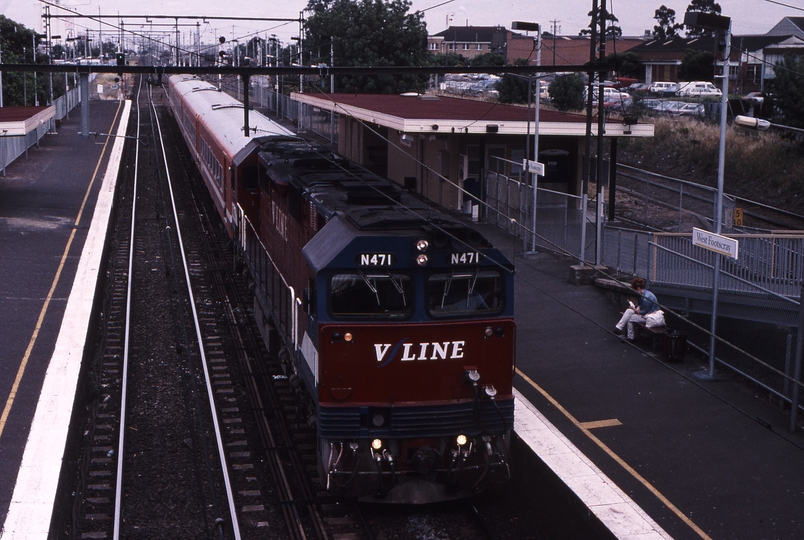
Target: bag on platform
x,y
654,319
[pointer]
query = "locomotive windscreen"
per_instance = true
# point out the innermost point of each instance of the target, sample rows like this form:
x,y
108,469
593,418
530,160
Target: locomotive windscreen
x,y
358,295
465,293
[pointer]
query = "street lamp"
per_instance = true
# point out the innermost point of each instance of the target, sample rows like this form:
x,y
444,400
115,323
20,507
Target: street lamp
x,y
761,124
711,21
534,27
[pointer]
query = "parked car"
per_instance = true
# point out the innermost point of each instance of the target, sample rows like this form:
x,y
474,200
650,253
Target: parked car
x,y
638,87
754,98
699,88
663,88
618,105
695,110
668,107
622,83
609,95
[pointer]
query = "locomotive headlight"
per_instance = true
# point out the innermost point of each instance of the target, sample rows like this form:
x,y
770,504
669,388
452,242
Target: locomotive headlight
x,y
347,337
490,391
421,260
488,332
376,444
461,440
422,245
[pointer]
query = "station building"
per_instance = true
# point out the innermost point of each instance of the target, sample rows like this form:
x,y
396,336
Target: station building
x,y
443,146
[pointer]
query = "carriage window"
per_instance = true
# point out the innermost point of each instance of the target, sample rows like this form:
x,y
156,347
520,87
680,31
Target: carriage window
x,y
375,295
478,292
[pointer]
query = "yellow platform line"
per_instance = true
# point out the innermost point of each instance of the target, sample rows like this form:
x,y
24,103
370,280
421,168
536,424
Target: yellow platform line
x,y
600,424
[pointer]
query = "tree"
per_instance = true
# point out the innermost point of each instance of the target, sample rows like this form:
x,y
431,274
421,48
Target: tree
x,y
788,90
368,33
448,60
514,88
667,27
17,45
697,66
566,92
612,30
625,64
702,6
487,60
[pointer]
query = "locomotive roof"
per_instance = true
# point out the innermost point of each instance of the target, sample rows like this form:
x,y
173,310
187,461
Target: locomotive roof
x,y
339,186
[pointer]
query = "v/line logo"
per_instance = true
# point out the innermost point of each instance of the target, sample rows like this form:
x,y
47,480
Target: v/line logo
x,y
445,350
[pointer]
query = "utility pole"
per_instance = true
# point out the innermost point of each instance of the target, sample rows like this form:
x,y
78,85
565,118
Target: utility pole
x,y
554,29
601,128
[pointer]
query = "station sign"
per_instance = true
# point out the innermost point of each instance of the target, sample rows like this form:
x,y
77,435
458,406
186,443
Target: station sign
x,y
715,242
533,167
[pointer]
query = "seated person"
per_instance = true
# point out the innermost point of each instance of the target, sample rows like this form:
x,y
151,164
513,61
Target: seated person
x,y
647,304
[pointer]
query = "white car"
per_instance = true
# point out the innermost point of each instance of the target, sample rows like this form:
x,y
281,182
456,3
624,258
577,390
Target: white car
x,y
699,88
755,98
609,94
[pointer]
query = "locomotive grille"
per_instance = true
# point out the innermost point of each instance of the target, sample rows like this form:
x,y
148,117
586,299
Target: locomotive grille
x,y
413,422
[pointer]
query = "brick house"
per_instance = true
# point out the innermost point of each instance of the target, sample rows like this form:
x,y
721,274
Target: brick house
x,y
471,41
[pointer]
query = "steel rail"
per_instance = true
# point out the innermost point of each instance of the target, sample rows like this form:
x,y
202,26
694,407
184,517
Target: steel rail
x,y
201,348
126,339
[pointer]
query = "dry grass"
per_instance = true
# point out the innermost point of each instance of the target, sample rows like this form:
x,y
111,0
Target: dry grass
x,y
759,165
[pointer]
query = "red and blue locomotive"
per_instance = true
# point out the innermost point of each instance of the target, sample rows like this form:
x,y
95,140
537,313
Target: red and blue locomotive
x,y
395,317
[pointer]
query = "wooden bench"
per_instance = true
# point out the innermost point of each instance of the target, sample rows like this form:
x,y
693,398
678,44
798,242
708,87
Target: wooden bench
x,y
656,334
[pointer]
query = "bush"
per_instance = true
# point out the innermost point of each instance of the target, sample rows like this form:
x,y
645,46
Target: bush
x,y
566,92
761,166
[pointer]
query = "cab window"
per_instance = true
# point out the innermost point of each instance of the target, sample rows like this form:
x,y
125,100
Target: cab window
x,y
356,295
465,293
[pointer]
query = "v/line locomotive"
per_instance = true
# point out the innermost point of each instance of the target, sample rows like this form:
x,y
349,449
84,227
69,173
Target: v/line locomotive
x,y
397,319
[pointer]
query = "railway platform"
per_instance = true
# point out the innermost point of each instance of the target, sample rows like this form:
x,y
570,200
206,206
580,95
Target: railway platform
x,y
651,449
54,210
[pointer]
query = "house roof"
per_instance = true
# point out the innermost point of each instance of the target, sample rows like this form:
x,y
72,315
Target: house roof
x,y
657,50
788,25
415,113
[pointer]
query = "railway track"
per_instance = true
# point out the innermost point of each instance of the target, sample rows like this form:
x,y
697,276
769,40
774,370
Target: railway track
x,y
666,196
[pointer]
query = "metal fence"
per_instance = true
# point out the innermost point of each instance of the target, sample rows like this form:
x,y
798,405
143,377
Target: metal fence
x,y
758,303
770,263
509,204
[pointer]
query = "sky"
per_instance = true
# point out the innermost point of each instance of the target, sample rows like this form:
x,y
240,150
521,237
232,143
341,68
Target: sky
x,y
567,17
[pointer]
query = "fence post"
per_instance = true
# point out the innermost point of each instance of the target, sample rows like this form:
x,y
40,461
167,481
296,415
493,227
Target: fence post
x,y
797,366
